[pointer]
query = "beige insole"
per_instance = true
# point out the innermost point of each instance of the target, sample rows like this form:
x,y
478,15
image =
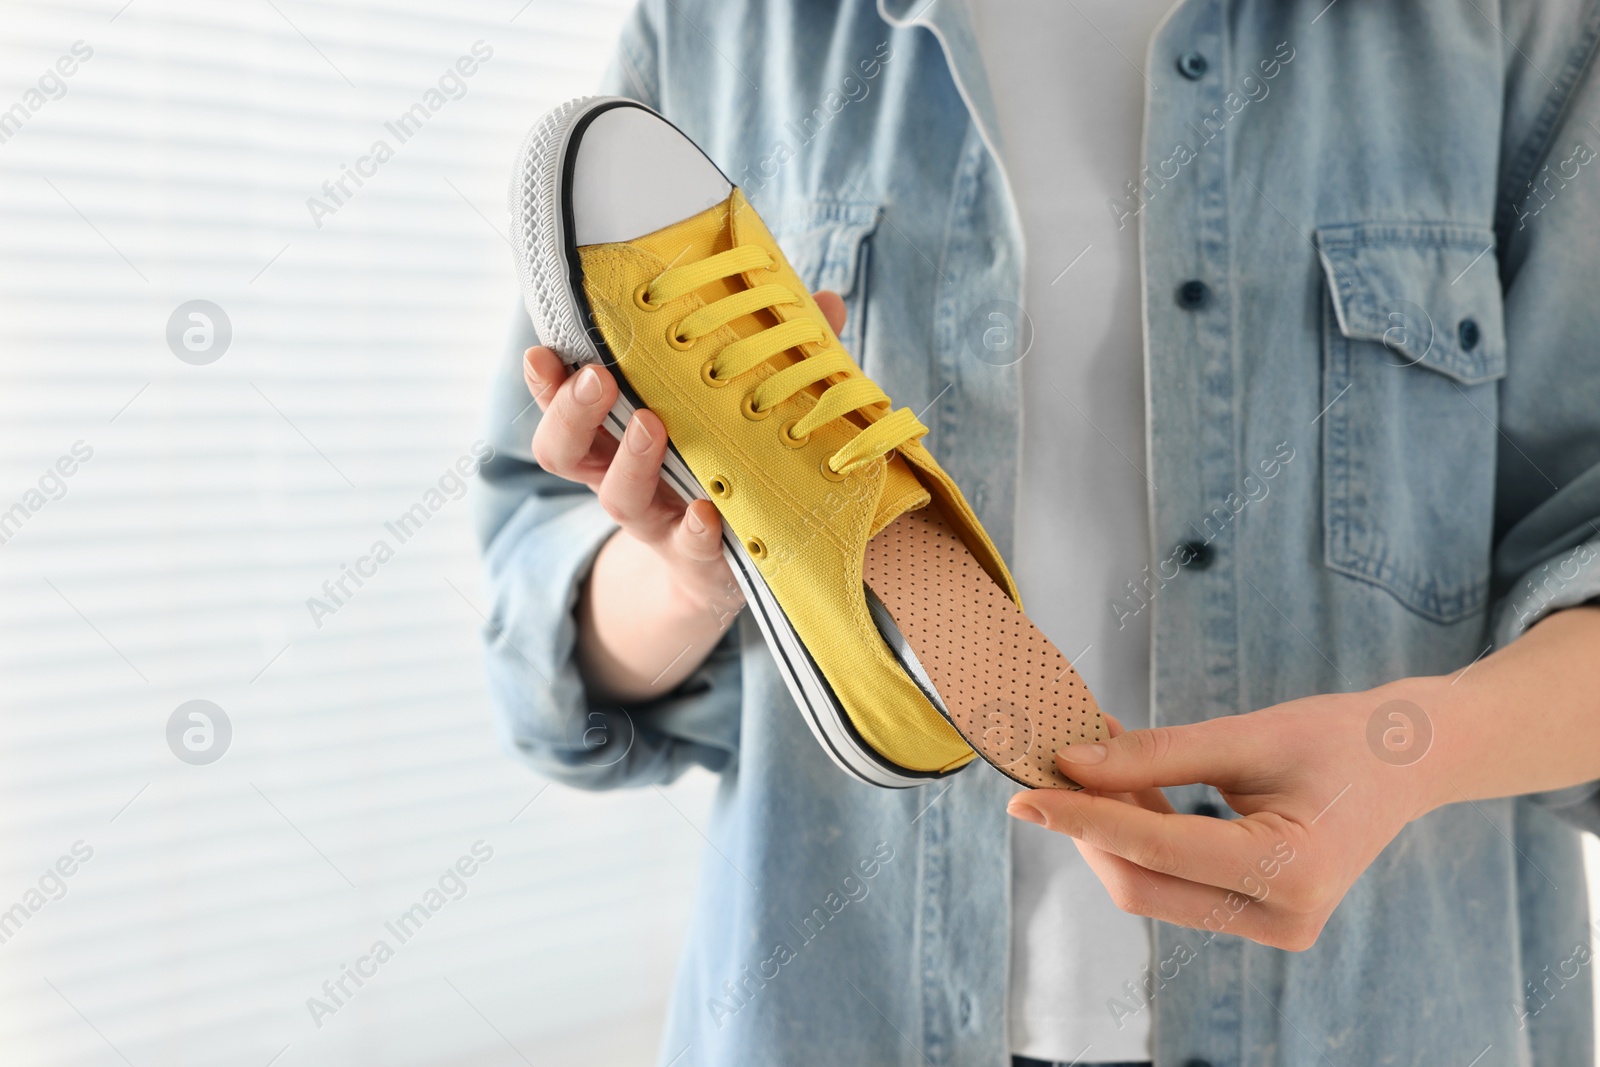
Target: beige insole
x,y
1005,687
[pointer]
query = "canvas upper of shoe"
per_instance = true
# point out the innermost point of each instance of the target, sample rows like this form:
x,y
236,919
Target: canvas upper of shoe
x,y
803,487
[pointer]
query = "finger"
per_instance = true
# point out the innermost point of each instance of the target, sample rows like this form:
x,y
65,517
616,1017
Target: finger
x,y
831,304
1152,799
1216,852
543,372
698,536
628,492
1149,799
1214,752
1173,900
567,431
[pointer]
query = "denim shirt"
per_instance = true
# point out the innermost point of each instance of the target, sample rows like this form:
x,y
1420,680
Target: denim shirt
x,y
1372,362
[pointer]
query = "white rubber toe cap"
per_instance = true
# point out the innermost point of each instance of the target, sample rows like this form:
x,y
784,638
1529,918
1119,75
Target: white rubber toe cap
x,y
633,173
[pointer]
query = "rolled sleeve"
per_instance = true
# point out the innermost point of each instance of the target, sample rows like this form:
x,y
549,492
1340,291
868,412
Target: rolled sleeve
x,y
1547,558
1565,575
1564,579
535,566
540,535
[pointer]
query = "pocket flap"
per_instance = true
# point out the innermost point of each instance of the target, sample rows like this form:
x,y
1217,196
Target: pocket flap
x,y
823,239
1428,292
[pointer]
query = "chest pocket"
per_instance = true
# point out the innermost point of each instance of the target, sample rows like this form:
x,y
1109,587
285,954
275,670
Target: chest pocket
x,y
1413,346
828,243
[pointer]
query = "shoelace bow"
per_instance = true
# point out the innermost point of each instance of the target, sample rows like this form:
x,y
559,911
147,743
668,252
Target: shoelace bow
x,y
741,357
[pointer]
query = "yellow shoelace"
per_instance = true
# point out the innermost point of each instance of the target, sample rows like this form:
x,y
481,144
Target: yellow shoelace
x,y
852,393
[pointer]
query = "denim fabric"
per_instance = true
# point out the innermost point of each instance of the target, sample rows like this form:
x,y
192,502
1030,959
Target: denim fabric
x,y
1380,411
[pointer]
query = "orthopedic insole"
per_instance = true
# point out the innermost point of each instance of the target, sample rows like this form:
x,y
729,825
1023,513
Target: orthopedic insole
x,y
1003,685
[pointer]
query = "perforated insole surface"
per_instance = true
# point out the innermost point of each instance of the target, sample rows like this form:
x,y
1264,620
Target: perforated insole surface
x,y
1005,687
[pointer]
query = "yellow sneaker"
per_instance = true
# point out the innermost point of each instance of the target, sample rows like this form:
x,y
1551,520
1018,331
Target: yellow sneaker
x,y
890,613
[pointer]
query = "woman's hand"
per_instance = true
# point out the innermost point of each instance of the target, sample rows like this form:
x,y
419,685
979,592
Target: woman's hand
x,y
1319,802
1324,783
660,593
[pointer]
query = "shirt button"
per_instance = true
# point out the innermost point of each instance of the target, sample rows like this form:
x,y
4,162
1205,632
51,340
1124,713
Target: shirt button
x,y
1469,334
1195,554
1208,809
1192,65
1193,294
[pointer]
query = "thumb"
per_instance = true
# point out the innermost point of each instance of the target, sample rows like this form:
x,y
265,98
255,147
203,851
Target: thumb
x,y
1153,799
1210,752
831,304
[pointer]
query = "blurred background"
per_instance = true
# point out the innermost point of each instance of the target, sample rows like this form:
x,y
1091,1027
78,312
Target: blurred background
x,y
173,491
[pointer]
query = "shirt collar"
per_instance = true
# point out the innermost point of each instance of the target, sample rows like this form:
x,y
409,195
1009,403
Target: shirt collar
x,y
950,22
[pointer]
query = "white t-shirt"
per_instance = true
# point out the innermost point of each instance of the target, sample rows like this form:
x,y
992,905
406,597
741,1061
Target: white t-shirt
x,y
1069,91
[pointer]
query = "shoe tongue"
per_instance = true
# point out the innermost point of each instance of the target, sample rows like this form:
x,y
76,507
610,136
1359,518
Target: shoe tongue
x,y
711,232
902,492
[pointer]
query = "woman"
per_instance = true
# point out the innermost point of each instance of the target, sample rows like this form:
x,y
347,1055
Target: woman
x,y
1312,470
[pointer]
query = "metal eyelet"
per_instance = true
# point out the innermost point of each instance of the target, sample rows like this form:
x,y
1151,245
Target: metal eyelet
x,y
682,344
709,378
831,474
787,435
751,412
720,487
756,547
642,301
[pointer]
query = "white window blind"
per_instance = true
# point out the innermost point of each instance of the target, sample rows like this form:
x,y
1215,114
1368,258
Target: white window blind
x,y
164,521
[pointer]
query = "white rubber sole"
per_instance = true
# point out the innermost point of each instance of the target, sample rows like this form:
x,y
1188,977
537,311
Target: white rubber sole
x,y
538,200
